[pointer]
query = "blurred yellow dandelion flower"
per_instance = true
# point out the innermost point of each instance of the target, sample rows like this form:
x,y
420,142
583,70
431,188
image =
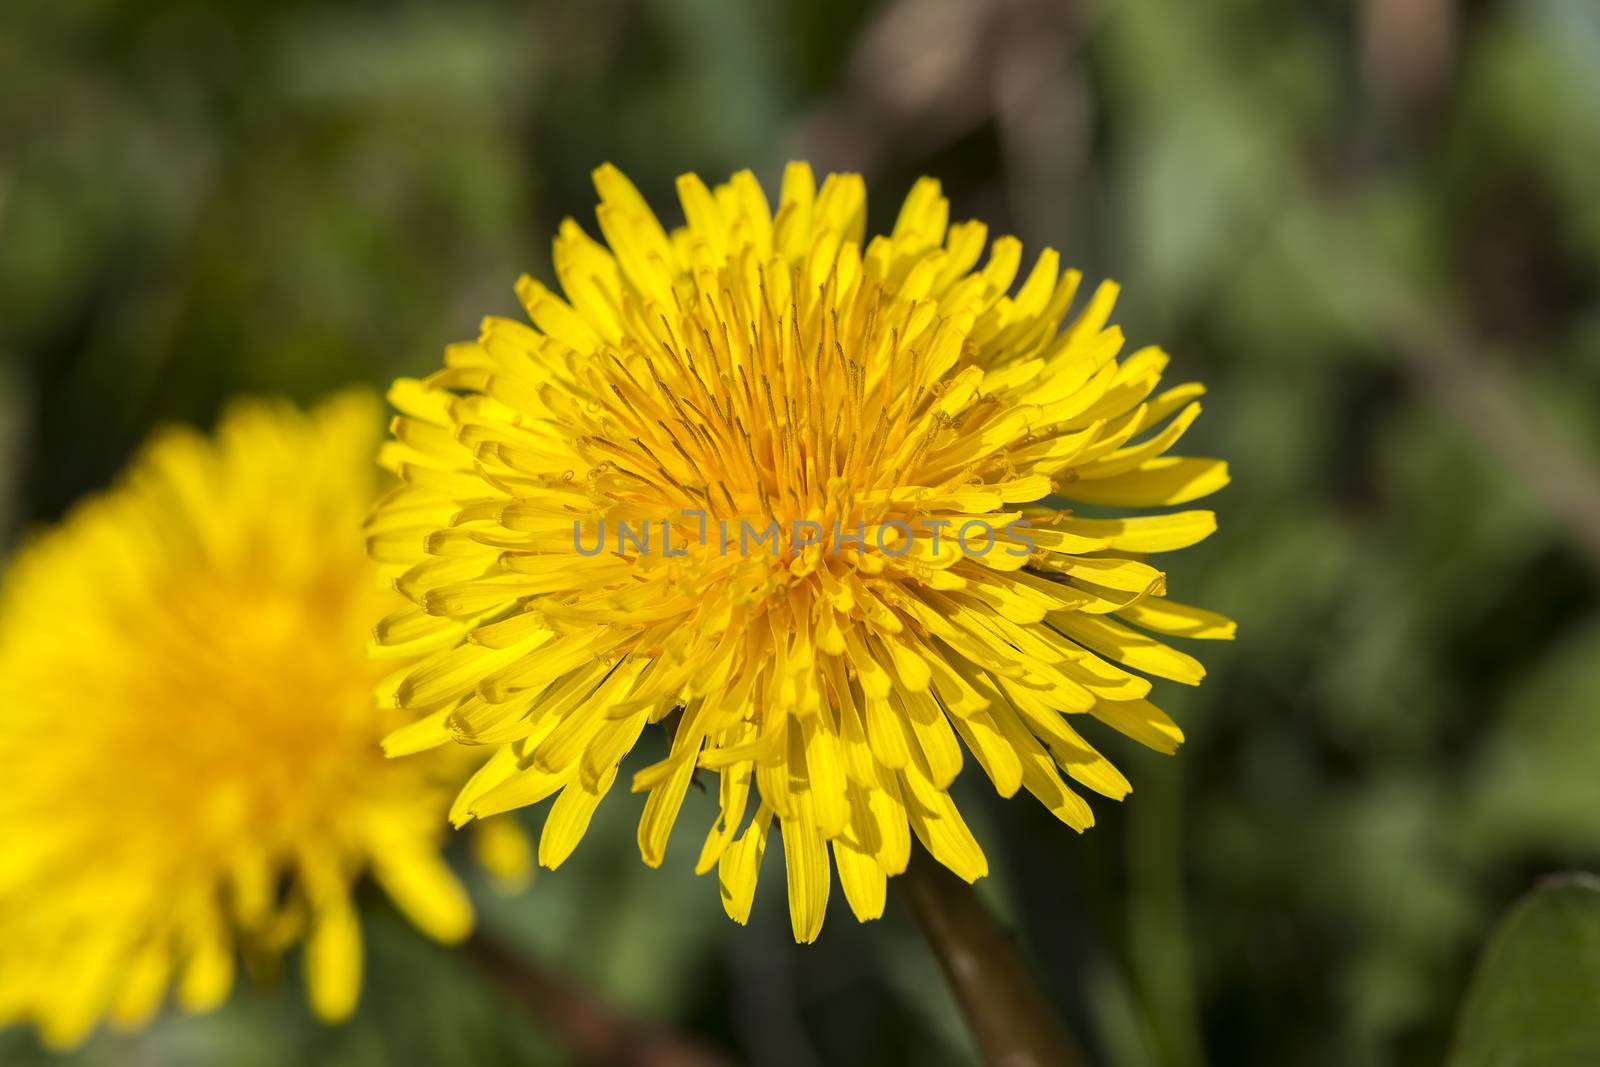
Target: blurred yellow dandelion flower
x,y
788,487
188,736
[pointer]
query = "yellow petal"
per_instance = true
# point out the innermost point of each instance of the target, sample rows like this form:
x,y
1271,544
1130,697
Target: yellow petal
x,y
569,819
502,849
1159,482
939,826
424,889
333,960
995,754
1142,721
805,857
207,974
1137,650
865,887
741,865
1180,620
144,981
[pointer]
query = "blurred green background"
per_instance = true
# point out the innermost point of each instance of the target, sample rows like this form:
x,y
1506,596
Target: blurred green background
x,y
1371,227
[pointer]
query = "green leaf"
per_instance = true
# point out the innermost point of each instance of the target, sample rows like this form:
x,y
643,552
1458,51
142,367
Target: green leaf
x,y
1535,1000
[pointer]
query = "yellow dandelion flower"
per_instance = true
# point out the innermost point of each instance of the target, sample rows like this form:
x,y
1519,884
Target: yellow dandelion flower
x,y
188,736
798,491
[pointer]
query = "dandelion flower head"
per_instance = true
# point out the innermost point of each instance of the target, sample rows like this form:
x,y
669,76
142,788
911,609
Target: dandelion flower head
x,y
775,372
189,739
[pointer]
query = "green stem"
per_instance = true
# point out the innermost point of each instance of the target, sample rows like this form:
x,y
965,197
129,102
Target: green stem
x,y
1009,1018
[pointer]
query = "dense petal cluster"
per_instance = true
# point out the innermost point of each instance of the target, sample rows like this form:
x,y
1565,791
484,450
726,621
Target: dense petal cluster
x,y
578,502
188,736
